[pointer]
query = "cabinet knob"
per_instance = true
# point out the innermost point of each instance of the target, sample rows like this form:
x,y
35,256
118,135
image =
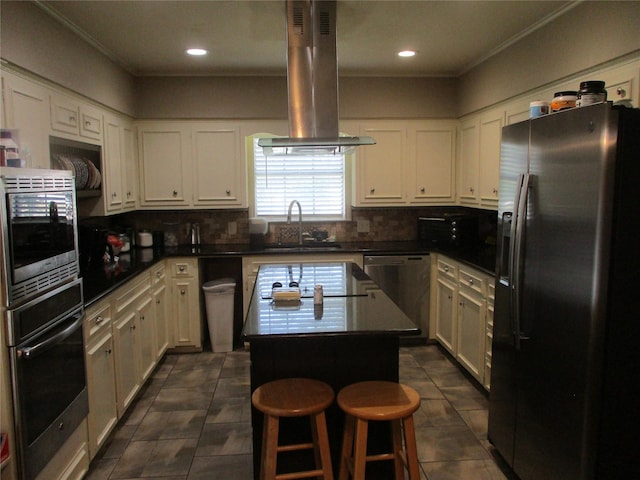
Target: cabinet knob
x,y
133,327
471,189
157,301
181,268
175,193
108,351
422,190
446,269
182,292
141,317
621,92
99,319
373,190
87,123
158,274
114,194
72,118
228,192
128,194
471,281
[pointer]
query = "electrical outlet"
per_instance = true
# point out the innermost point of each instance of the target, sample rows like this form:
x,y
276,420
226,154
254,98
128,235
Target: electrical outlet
x,y
363,226
232,228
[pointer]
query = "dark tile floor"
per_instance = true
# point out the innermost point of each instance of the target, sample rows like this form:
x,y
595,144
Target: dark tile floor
x,y
193,422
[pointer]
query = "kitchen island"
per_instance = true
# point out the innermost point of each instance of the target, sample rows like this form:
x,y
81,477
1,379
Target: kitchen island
x,y
351,337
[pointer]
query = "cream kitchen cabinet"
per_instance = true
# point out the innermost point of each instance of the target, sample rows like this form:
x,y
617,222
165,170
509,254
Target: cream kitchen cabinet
x,y
461,314
446,301
251,265
130,302
26,109
380,169
468,161
488,353
471,321
70,116
159,291
219,177
119,166
147,349
431,161
164,155
185,321
490,137
413,162
101,374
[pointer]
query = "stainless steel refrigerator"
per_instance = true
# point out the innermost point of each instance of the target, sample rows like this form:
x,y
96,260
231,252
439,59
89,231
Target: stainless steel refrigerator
x,y
565,382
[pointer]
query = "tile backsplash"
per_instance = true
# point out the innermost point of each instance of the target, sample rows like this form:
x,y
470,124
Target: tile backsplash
x,y
232,226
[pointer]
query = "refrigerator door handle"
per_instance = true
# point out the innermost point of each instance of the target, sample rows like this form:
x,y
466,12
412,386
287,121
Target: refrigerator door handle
x,y
516,251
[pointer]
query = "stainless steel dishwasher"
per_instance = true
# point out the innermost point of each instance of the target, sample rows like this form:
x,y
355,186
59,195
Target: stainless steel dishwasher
x,y
405,279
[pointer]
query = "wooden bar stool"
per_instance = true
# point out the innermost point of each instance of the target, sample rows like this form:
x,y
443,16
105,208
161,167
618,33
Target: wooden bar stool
x,y
294,397
378,401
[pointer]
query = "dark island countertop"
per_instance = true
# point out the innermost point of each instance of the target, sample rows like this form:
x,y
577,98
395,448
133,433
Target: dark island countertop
x,y
352,304
101,281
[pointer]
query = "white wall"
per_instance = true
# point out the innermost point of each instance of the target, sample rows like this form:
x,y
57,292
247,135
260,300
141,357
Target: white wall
x,y
266,97
591,34
31,39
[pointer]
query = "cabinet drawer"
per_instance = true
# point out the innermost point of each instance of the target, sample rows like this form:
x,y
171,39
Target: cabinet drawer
x,y
158,274
474,282
64,115
447,269
90,123
184,269
98,319
131,292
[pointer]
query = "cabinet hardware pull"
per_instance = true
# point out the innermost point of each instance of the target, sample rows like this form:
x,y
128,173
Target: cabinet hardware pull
x,y
175,193
99,319
157,301
182,292
133,327
621,91
228,192
422,190
471,281
108,351
141,317
372,190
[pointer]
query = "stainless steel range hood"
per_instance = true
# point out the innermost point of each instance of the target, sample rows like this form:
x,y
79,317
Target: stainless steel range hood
x,y
312,80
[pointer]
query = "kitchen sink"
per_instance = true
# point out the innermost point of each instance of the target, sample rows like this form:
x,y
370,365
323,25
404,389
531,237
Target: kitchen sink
x,y
305,247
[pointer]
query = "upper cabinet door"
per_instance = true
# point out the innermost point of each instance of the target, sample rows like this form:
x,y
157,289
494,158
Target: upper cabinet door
x,y
490,137
432,147
380,168
165,164
218,173
113,163
469,159
26,109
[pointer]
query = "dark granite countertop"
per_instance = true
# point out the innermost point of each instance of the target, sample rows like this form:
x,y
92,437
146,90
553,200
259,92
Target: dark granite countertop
x,y
352,304
100,282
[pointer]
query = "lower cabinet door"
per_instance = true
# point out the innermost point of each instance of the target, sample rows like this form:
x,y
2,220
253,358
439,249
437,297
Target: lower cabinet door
x,y
471,333
101,386
127,376
446,315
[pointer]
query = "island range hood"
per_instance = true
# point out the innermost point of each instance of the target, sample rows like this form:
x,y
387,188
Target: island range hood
x,y
312,81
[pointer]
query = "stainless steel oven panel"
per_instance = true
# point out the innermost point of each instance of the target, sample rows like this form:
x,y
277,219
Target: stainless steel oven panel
x,y
37,314
50,193
48,375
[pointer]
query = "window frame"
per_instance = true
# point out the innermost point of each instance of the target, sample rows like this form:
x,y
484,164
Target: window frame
x,y
251,180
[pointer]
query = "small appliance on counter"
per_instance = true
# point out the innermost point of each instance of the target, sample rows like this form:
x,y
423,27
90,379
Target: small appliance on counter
x,y
258,228
145,239
448,230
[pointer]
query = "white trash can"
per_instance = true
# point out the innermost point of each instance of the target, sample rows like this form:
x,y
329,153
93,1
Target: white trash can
x,y
218,295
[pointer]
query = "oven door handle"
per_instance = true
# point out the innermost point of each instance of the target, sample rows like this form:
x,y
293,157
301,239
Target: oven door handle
x,y
30,352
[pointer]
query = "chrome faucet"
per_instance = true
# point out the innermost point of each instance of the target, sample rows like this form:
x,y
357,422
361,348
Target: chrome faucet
x,y
299,219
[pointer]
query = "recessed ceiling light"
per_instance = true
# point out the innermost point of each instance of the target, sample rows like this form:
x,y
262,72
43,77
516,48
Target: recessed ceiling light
x,y
197,51
406,53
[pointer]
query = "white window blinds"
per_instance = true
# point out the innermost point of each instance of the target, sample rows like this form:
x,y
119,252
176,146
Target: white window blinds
x,y
316,181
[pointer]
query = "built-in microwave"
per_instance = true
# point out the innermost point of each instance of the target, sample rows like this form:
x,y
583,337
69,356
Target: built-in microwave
x,y
39,230
448,230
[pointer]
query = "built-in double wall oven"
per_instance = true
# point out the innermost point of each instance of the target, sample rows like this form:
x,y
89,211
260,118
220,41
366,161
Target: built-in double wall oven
x,y
43,312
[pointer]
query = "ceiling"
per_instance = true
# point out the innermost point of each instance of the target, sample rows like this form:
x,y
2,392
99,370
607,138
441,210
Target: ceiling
x,y
148,37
